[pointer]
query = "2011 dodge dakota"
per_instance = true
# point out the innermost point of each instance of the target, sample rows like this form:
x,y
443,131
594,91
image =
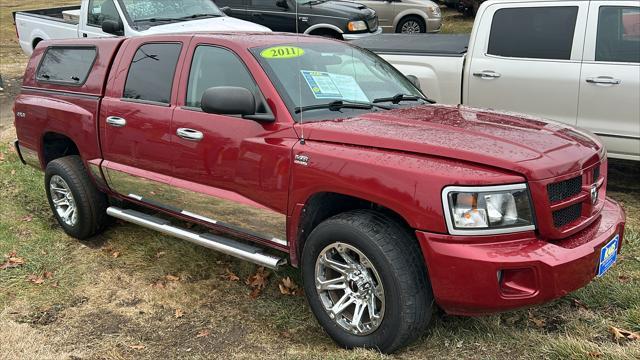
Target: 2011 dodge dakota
x,y
326,156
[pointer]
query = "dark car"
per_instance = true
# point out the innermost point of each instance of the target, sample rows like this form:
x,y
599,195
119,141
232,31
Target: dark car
x,y
336,19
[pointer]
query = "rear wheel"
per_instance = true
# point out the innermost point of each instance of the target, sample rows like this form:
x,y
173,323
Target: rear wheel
x,y
365,281
78,206
411,25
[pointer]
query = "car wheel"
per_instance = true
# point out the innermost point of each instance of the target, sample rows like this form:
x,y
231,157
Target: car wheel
x,y
365,281
78,206
411,25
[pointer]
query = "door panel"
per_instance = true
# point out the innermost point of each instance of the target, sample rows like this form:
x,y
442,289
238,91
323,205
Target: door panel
x,y
537,70
267,13
237,173
610,79
135,118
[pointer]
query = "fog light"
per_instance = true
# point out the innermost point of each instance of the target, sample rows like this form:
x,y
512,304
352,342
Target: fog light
x,y
517,282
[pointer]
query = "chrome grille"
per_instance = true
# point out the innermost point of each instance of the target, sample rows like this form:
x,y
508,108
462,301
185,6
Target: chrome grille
x,y
567,215
564,189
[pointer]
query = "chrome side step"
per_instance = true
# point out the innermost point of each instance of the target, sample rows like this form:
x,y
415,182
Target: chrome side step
x,y
215,242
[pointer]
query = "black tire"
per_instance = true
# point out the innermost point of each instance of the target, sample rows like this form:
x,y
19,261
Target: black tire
x,y
90,203
329,34
418,21
396,256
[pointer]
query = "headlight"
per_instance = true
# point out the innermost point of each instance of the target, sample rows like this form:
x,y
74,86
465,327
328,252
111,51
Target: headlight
x,y
357,25
488,210
433,11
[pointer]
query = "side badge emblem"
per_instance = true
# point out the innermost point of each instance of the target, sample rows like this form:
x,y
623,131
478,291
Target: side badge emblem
x,y
594,194
301,160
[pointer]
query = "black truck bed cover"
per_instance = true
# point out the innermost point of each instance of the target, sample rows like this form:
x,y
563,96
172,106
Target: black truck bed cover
x,y
426,44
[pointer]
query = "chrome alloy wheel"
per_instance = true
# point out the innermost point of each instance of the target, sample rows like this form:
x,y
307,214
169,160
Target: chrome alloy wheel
x,y
63,201
350,288
410,27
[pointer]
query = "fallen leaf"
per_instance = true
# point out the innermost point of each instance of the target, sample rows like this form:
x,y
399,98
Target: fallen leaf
x,y
115,254
47,275
172,278
288,287
27,218
229,276
137,347
259,279
159,284
13,172
620,334
579,303
1,156
595,354
159,254
35,279
179,313
623,278
12,261
538,322
255,293
203,333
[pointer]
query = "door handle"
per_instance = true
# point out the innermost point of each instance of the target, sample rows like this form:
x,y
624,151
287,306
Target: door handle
x,y
605,80
189,134
487,74
116,121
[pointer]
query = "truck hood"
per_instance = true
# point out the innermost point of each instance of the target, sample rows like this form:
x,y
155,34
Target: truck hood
x,y
346,9
223,23
538,149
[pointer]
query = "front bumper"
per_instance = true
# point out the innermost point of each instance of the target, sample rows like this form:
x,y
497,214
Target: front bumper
x,y
434,24
468,278
348,36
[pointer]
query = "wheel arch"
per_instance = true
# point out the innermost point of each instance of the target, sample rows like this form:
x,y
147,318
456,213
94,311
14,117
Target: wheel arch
x,y
323,205
317,28
409,12
56,145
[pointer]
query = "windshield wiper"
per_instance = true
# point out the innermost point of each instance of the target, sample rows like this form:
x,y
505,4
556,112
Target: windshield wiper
x,y
339,104
396,99
182,18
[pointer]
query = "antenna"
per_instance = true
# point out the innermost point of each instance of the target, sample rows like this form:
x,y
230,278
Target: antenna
x,y
302,141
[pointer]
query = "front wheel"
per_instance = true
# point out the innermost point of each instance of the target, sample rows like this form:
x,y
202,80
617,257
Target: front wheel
x,y
365,281
411,25
78,206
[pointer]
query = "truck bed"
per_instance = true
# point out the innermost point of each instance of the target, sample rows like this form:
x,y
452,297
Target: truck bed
x,y
54,14
427,44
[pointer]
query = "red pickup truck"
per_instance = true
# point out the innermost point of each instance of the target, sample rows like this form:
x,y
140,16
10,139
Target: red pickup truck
x,y
312,150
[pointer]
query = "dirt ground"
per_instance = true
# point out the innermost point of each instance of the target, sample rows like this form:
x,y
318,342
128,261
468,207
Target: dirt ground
x,y
130,293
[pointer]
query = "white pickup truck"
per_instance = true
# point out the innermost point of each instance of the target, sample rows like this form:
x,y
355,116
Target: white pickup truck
x,y
576,62
97,18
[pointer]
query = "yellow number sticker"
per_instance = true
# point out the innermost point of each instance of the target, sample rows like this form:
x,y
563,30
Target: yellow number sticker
x,y
282,52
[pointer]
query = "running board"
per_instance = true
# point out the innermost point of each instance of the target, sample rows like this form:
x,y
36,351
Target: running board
x,y
215,242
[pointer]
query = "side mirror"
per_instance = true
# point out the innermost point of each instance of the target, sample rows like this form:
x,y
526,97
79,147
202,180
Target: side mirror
x,y
229,100
282,3
226,10
113,27
414,80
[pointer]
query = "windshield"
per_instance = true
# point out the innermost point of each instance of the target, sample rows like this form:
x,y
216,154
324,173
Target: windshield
x,y
150,10
309,74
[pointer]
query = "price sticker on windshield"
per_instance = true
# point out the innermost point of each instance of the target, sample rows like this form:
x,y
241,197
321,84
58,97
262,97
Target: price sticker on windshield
x,y
282,52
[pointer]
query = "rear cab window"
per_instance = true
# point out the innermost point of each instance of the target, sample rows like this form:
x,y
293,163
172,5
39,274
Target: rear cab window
x,y
151,72
66,65
533,32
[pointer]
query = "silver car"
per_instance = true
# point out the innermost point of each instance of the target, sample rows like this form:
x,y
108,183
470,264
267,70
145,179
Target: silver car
x,y
406,16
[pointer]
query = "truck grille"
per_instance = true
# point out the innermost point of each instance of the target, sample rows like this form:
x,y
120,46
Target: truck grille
x,y
372,24
564,189
596,173
567,215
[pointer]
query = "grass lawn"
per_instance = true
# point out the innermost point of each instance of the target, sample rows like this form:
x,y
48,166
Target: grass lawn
x,y
131,293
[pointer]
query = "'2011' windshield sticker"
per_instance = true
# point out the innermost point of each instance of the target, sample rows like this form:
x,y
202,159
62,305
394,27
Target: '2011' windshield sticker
x,y
325,85
282,52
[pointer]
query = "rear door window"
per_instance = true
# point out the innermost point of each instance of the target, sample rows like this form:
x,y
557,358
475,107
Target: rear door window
x,y
151,73
618,37
534,33
66,65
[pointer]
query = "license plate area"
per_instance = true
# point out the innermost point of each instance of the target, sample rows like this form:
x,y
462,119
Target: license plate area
x,y
608,255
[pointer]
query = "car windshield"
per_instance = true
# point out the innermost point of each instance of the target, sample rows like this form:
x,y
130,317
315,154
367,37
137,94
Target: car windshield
x,y
310,75
168,10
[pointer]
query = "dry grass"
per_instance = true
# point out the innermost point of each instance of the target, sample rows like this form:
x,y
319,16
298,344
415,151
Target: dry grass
x,y
97,306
